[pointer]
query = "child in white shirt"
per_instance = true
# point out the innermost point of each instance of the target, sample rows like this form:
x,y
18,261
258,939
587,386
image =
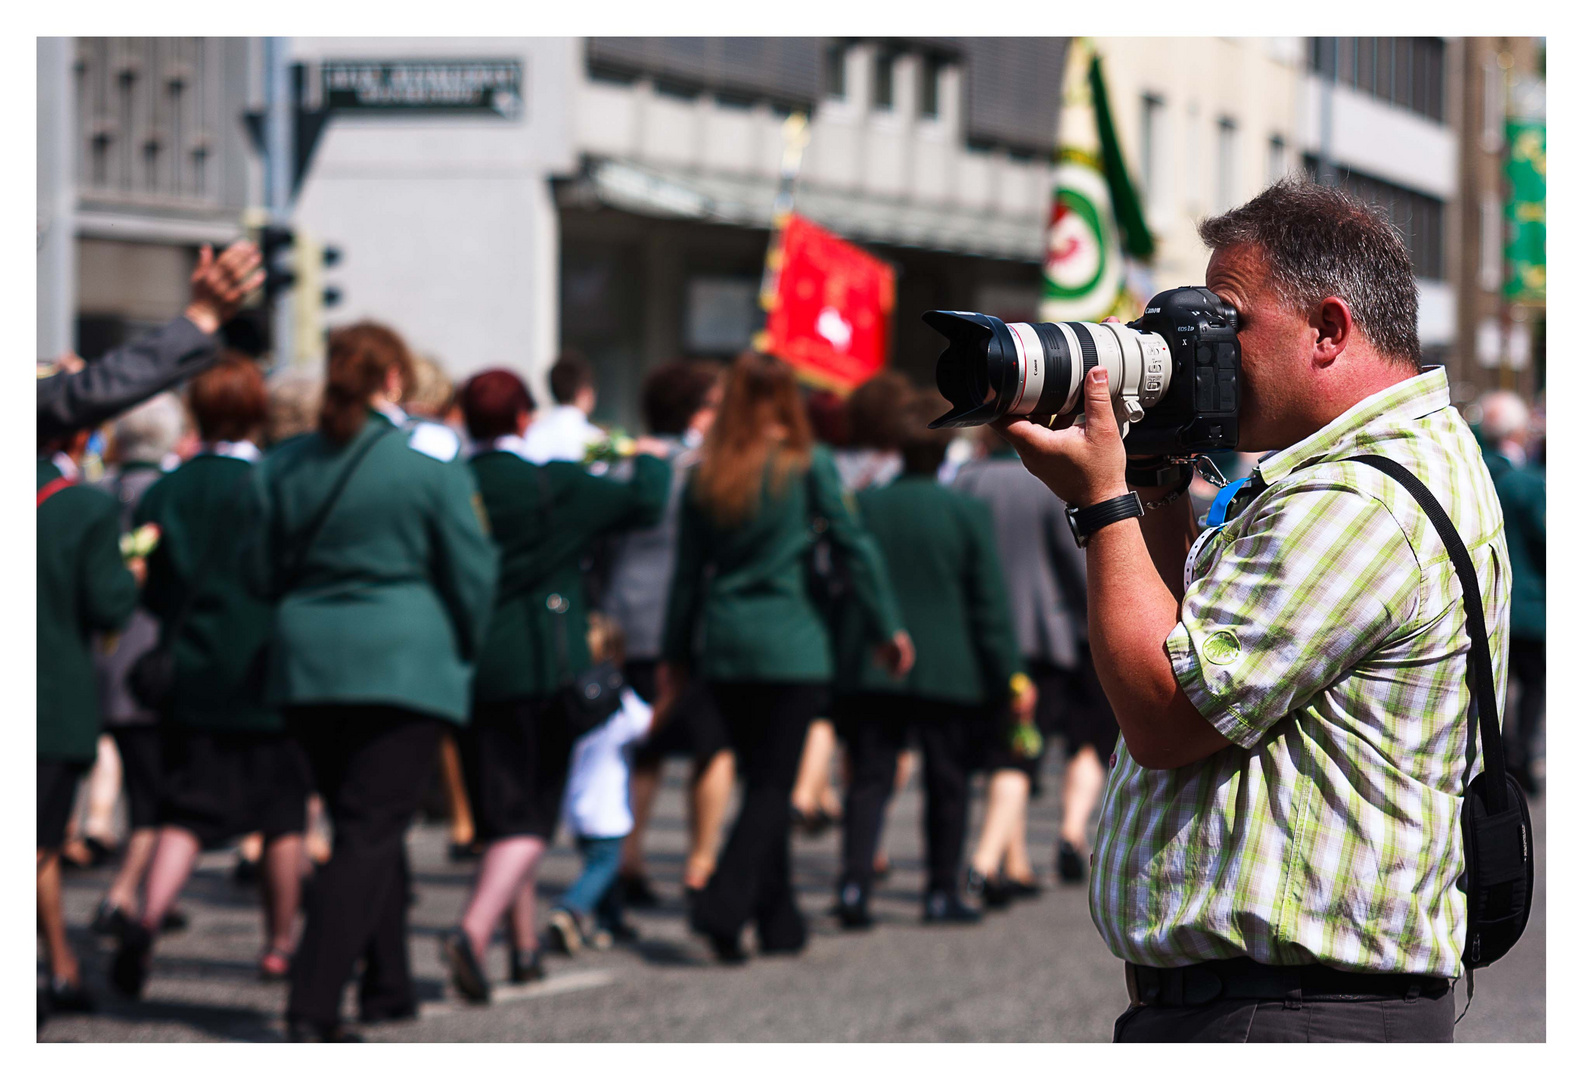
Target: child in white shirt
x,y
597,810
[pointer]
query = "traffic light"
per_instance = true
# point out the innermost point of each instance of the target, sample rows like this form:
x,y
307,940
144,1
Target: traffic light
x,y
313,296
275,244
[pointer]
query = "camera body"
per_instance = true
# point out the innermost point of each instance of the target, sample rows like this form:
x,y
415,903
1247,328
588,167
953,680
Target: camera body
x,y
1175,373
1200,411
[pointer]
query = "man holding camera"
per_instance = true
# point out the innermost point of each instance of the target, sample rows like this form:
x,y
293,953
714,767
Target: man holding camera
x,y
1279,846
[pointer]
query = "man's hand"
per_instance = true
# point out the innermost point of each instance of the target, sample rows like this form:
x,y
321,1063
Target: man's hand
x,y
1082,465
896,655
219,285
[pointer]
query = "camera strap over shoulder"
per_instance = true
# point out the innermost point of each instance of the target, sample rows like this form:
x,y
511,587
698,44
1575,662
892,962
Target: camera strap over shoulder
x,y
1489,731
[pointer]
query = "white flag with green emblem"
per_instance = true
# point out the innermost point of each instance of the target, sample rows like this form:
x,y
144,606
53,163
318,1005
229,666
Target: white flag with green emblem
x,y
1095,219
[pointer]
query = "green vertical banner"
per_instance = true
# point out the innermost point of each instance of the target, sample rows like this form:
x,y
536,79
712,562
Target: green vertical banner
x,y
1525,212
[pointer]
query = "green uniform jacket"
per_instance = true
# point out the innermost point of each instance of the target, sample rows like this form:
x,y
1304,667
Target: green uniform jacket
x,y
540,556
393,599
939,547
223,645
740,609
83,586
1522,495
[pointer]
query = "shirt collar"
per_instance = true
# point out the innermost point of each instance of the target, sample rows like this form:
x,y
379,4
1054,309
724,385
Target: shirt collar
x,y
1409,399
509,444
391,412
68,467
243,450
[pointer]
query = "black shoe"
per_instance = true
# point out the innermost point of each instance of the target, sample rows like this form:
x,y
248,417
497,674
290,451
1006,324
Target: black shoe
x,y
813,825
129,971
1069,864
310,1031
463,853
525,967
108,920
565,932
467,974
175,919
943,907
388,1014
1022,890
728,948
245,872
991,892
851,907
65,997
637,892
622,933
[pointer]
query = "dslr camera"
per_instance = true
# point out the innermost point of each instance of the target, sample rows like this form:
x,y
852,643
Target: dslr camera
x,y
1174,373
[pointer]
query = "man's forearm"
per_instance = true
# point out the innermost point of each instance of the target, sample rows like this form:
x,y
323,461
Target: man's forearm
x,y
1131,612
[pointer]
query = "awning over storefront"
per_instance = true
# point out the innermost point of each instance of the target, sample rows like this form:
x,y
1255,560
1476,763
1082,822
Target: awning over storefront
x,y
747,201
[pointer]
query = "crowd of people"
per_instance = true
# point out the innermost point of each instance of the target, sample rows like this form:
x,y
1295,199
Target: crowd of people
x,y
285,604
289,602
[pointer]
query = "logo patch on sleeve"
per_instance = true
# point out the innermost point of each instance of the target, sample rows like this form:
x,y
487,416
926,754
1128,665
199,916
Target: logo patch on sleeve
x,y
1222,647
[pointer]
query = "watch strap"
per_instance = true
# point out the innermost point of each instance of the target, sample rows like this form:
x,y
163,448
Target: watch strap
x,y
1085,522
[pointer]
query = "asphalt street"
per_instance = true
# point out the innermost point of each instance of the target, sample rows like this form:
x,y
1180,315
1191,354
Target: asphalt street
x,y
1035,973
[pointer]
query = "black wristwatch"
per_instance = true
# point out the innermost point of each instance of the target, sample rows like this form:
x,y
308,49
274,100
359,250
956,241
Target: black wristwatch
x,y
1089,520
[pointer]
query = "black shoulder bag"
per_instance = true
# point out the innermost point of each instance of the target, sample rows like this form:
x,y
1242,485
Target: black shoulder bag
x,y
829,579
1497,835
588,698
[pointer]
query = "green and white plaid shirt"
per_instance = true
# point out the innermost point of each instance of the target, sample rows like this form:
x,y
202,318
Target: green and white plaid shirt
x,y
1323,633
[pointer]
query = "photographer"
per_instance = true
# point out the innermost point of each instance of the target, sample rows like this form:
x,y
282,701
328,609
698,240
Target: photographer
x,y
1281,825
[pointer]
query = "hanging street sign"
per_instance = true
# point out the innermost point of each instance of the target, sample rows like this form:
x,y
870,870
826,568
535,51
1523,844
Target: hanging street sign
x,y
425,86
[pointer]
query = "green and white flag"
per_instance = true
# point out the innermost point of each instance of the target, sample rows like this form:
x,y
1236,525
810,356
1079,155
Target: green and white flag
x,y
1095,217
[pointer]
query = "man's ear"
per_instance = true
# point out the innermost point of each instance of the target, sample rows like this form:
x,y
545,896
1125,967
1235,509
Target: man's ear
x,y
1332,322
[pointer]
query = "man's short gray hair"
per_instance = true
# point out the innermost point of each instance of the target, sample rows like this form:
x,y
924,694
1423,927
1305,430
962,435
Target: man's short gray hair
x,y
150,431
1317,242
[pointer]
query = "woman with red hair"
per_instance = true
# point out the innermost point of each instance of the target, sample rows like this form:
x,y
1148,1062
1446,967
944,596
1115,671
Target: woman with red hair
x,y
516,751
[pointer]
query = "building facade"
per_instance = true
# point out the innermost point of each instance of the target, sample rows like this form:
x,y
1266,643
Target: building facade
x,y
143,157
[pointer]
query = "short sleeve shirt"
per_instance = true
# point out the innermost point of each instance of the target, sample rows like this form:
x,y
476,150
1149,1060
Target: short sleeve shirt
x,y
1323,632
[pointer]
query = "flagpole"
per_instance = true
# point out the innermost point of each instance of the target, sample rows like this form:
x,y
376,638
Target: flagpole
x,y
795,136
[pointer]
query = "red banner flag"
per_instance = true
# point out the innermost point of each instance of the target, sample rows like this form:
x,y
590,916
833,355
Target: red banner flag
x,y
830,307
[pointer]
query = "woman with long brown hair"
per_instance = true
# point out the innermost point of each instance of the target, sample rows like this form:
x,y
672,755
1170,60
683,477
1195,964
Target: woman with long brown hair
x,y
744,616
384,577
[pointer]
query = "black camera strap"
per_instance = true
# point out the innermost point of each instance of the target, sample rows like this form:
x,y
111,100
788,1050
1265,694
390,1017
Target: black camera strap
x,y
1483,673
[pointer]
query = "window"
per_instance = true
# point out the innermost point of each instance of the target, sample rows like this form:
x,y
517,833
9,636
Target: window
x,y
929,73
1225,163
1276,162
835,72
884,80
1492,254
1153,157
1409,72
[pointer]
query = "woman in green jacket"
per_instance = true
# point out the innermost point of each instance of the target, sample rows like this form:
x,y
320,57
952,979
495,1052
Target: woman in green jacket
x,y
372,539
517,750
743,617
230,767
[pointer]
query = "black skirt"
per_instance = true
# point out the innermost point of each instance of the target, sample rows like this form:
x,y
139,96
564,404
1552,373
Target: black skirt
x,y
695,728
223,784
142,751
57,791
515,758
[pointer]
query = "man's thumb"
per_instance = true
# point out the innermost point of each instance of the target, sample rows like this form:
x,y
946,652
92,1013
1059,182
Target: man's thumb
x,y
1098,412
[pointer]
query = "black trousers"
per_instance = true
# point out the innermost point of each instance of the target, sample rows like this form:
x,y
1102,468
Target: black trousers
x,y
876,727
370,763
767,723
1424,1019
1528,667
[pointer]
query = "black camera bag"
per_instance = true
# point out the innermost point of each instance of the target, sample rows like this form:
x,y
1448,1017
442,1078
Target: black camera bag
x,y
1497,835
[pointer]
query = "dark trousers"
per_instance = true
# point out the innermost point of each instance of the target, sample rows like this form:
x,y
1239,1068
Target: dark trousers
x,y
370,763
768,723
876,728
1426,1019
1528,668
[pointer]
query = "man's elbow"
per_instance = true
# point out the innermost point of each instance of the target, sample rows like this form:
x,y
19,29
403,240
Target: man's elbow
x,y
1172,735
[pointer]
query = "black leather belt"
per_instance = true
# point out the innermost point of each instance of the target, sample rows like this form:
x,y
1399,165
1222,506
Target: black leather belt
x,y
1242,977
